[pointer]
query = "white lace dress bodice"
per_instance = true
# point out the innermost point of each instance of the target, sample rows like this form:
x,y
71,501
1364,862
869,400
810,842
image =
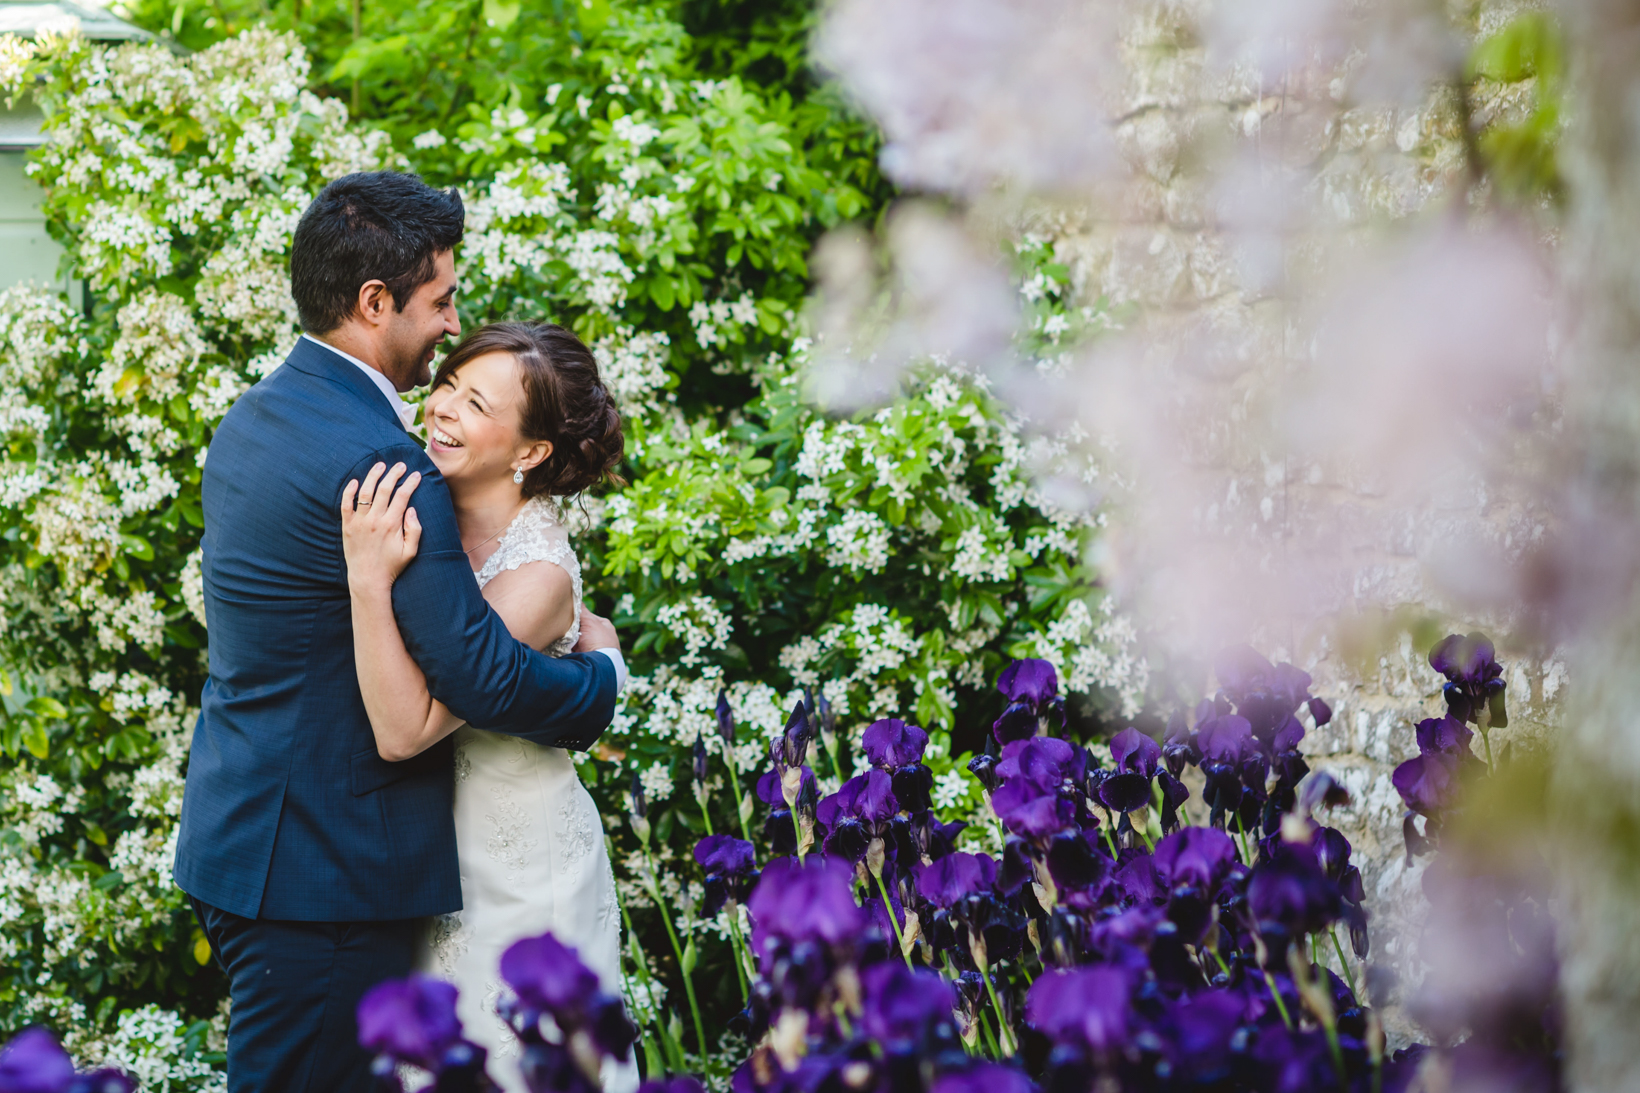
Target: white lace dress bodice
x,y
530,844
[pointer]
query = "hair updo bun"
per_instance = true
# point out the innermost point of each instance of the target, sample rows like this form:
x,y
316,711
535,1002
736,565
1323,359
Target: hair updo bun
x,y
565,401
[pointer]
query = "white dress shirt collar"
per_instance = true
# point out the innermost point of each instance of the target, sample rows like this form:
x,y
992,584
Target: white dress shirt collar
x,y
406,412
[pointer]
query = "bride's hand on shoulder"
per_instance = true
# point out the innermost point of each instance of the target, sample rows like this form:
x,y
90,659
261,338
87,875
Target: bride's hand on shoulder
x,y
380,532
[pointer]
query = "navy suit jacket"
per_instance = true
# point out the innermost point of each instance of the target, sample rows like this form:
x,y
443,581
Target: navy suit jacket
x,y
289,812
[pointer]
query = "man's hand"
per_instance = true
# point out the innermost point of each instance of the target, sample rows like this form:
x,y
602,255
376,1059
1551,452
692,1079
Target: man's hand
x,y
597,632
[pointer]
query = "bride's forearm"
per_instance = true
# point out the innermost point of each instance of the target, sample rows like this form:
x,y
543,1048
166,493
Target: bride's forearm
x,y
403,715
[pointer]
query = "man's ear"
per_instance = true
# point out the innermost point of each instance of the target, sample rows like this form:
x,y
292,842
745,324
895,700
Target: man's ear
x,y
375,302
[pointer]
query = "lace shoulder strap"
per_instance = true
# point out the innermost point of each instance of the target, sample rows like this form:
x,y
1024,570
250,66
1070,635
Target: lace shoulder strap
x,y
535,535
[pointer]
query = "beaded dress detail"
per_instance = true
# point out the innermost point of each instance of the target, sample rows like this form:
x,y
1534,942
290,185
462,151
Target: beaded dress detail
x,y
530,843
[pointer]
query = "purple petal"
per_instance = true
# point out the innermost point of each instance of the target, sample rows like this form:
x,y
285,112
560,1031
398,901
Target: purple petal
x,y
1133,751
1320,711
1241,669
1444,734
1197,856
1225,739
413,1020
955,877
726,854
1031,681
1018,722
892,743
548,975
1084,1008
33,1062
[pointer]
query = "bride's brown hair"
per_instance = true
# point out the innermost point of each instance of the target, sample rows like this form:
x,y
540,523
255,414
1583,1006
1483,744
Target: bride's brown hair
x,y
565,401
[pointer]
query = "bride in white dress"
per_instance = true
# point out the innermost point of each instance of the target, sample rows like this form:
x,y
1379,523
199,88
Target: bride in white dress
x,y
517,418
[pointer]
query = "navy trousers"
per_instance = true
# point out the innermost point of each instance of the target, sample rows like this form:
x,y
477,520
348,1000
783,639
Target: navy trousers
x,y
296,988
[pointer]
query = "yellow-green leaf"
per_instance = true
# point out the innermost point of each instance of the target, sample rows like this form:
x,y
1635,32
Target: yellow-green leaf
x,y
36,741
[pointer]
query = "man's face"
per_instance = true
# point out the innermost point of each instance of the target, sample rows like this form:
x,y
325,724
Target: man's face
x,y
412,335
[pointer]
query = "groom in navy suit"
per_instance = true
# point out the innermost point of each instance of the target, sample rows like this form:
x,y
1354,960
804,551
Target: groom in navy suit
x,y
308,858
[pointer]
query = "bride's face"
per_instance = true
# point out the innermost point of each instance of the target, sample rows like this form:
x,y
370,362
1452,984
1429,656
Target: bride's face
x,y
473,420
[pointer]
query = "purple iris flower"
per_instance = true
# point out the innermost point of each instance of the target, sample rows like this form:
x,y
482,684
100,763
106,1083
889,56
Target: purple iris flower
x,y
1032,689
1199,1032
891,744
1427,782
1268,695
33,1062
1045,760
1294,1062
1444,734
731,870
1290,895
410,1020
553,1068
548,975
791,747
954,877
1136,757
725,719
1179,748
1076,862
1084,1008
1474,677
904,1010
858,813
1195,857
796,902
1174,794
1321,790
983,1077
1029,680
1027,810
109,1080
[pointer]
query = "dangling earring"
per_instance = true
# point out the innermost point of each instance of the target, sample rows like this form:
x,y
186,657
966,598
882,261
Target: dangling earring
x,y
518,475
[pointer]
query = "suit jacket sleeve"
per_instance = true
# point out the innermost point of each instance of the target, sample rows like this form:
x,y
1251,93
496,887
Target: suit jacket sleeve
x,y
472,663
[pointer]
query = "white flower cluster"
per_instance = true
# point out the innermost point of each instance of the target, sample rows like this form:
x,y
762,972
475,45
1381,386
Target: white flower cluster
x,y
721,321
700,624
150,1045
1103,655
633,366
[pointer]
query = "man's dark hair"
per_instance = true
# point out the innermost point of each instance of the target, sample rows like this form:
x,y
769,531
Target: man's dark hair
x,y
381,225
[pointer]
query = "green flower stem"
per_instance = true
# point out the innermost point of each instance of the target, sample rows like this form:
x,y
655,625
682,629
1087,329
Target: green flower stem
x,y
985,1027
1281,1007
673,1051
1005,1037
1349,976
737,944
899,936
734,780
677,949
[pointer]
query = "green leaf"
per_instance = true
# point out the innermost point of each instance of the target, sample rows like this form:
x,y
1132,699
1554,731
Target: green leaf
x,y
36,740
95,833
137,547
46,706
500,14
662,292
202,949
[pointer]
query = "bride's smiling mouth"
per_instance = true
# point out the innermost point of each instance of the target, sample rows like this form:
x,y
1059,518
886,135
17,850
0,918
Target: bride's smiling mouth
x,y
444,439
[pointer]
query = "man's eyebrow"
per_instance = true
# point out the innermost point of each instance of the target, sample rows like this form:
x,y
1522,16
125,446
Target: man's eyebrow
x,y
455,286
